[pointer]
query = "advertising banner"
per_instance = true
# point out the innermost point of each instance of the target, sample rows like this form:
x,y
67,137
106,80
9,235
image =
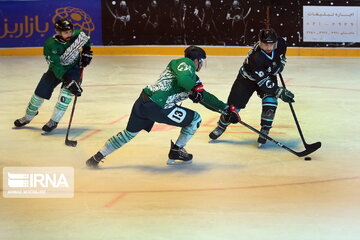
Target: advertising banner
x,y
331,24
30,23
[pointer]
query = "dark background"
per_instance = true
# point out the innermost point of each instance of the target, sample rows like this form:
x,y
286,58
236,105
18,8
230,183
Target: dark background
x,y
164,22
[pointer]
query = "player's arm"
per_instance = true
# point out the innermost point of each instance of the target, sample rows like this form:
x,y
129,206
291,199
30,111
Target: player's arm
x,y
86,55
199,95
281,92
213,100
71,54
281,48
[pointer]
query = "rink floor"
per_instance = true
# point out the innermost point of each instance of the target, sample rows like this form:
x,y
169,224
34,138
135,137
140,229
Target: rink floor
x,y
231,191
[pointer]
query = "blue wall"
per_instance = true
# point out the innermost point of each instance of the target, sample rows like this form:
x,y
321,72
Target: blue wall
x,y
30,23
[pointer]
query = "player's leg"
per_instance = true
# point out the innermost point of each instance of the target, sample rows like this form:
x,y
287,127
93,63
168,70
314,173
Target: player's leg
x,y
188,120
177,153
114,143
64,99
43,91
269,106
30,112
239,96
61,106
143,115
136,123
222,124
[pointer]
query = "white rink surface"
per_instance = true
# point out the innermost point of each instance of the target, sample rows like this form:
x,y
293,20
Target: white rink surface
x,y
231,191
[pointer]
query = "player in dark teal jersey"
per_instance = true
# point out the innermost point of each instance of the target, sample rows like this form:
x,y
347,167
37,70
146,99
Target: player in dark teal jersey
x,y
158,103
258,73
67,53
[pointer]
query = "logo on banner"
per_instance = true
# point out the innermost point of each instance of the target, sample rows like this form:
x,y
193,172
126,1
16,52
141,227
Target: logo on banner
x,y
30,26
79,18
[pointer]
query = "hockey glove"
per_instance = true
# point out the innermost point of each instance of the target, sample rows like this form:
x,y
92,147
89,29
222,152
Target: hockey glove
x,y
232,115
284,95
282,63
74,88
86,57
196,94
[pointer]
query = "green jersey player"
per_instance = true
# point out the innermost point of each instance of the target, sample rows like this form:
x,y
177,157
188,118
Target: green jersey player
x,y
67,53
158,103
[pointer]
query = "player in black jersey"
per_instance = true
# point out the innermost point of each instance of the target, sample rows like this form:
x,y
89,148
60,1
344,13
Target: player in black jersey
x,y
259,73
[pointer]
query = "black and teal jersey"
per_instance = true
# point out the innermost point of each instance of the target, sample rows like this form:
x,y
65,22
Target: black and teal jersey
x,y
261,67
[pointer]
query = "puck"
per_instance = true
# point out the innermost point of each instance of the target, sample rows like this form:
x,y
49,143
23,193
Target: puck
x,y
307,158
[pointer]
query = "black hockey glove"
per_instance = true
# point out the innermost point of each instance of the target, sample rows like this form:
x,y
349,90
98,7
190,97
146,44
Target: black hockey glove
x,y
86,57
282,63
74,88
196,94
284,95
232,115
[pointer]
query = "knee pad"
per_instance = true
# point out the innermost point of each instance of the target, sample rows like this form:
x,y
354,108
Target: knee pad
x,y
193,126
269,106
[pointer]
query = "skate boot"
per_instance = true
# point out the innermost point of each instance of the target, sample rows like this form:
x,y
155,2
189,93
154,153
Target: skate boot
x,y
217,132
22,121
178,155
49,126
261,140
93,162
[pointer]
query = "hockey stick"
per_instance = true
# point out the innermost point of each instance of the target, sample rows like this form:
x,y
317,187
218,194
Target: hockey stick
x,y
315,145
306,152
72,143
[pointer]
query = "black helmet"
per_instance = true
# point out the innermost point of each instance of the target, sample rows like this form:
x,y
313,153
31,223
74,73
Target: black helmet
x,y
63,24
268,36
194,52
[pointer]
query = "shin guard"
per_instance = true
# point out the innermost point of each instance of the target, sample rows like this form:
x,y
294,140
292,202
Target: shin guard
x,y
269,105
187,132
62,104
33,107
117,141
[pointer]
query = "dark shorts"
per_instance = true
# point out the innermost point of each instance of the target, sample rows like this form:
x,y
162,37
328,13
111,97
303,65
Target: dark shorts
x,y
146,112
242,90
49,82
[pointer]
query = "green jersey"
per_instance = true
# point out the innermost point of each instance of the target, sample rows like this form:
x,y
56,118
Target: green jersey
x,y
175,84
54,49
